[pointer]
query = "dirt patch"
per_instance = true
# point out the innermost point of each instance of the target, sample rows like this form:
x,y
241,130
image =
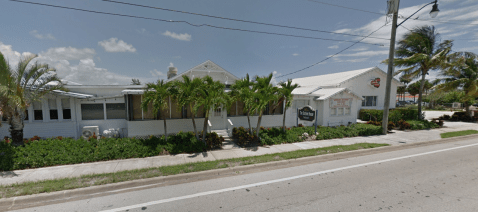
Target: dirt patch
x,y
277,158
233,164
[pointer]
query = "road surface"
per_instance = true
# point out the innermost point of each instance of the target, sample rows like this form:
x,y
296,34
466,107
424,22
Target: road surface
x,y
442,177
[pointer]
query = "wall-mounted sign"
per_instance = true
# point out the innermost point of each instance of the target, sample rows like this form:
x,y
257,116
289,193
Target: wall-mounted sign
x,y
306,113
341,103
375,82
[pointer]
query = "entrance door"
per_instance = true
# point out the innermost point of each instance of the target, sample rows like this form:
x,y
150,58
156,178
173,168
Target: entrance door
x,y
218,119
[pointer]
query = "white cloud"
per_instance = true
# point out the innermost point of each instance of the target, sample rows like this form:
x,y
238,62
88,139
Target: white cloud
x,y
85,72
183,37
171,65
467,49
333,47
364,54
48,36
12,57
115,45
359,49
295,54
68,53
142,31
156,73
274,77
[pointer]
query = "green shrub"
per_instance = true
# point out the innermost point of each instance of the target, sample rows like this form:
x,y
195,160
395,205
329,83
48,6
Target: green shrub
x,y
421,124
54,151
272,136
462,116
394,116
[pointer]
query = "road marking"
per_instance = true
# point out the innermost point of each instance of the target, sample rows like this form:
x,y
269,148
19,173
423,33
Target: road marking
x,y
157,202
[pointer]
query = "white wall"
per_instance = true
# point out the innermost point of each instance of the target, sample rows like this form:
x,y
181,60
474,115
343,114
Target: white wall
x,y
361,86
267,121
156,127
329,120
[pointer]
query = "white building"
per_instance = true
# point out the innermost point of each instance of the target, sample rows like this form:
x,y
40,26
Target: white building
x,y
338,97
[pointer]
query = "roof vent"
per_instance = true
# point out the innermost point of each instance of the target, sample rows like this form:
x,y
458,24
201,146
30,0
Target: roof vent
x,y
173,71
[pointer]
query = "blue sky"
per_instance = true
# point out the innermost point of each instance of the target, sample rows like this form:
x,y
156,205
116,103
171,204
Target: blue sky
x,y
100,49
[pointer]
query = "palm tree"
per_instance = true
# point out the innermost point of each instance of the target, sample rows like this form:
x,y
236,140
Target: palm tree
x,y
157,94
19,88
242,90
212,96
286,92
265,93
188,95
462,72
419,52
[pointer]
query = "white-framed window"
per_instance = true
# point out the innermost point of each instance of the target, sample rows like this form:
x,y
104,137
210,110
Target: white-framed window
x,y
92,112
369,101
115,111
341,111
65,105
53,109
37,111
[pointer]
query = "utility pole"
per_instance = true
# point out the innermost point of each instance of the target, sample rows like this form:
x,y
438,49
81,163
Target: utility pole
x,y
392,8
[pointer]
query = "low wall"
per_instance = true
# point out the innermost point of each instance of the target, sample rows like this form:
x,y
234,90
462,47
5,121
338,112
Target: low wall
x,y
156,127
43,129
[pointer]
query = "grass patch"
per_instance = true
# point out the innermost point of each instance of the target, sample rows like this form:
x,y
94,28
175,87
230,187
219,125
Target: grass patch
x,y
458,133
45,186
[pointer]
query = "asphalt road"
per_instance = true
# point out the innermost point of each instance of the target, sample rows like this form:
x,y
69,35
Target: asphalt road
x,y
441,177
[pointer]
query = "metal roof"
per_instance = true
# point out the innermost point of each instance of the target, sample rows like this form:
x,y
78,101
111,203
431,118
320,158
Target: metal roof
x,y
73,94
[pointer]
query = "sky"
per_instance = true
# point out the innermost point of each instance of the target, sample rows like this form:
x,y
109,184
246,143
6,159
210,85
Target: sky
x,y
97,49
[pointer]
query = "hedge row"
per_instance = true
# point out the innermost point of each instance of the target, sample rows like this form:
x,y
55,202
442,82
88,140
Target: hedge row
x,y
51,152
272,136
394,116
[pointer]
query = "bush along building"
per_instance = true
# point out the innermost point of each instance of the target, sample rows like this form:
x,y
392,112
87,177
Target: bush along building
x,y
116,109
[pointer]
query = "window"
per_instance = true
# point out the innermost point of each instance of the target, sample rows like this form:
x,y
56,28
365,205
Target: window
x,y
276,108
115,111
347,111
65,105
138,113
53,109
333,111
176,110
369,101
92,112
37,111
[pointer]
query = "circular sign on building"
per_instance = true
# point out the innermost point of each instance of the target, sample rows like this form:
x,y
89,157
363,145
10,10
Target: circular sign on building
x,y
307,113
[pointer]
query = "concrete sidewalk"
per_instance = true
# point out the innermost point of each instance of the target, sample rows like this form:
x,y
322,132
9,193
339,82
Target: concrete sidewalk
x,y
395,138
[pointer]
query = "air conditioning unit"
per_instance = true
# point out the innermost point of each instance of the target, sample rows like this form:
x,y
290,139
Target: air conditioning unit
x,y
89,131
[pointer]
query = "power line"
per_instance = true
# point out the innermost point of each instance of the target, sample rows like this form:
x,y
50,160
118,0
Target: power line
x,y
330,56
195,25
233,19
377,13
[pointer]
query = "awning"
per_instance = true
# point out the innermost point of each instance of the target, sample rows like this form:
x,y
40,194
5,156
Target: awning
x,y
132,91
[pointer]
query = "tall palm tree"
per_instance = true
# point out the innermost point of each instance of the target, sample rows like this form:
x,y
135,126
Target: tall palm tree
x,y
286,92
20,87
462,72
157,94
265,94
418,53
212,96
242,90
188,95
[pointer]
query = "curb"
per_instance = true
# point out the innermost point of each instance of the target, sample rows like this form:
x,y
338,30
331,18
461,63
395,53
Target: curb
x,y
102,190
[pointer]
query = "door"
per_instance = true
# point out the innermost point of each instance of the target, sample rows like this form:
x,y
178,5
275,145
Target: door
x,y
218,119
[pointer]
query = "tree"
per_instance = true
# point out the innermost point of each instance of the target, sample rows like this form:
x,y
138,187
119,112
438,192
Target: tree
x,y
188,94
135,82
414,89
242,90
157,94
419,52
21,87
264,94
401,91
462,72
212,96
286,92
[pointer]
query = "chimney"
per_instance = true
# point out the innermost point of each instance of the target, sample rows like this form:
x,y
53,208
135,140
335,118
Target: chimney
x,y
173,71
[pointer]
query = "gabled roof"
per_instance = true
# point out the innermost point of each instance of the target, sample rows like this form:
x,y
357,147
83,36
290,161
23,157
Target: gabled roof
x,y
335,78
208,65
